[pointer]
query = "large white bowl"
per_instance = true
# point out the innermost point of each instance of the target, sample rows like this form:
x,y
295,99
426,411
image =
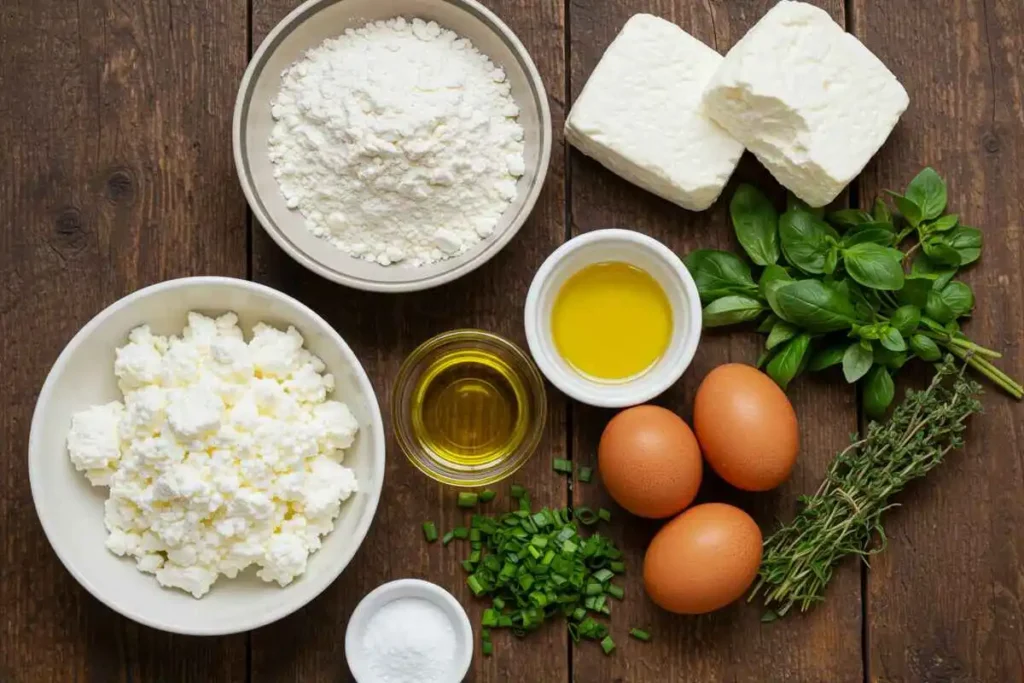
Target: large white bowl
x,y
71,510
309,25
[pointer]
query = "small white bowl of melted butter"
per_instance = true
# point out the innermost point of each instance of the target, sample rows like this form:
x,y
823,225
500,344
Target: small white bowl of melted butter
x,y
613,318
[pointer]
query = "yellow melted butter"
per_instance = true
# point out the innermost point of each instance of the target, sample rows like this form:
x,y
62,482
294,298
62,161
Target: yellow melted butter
x,y
611,321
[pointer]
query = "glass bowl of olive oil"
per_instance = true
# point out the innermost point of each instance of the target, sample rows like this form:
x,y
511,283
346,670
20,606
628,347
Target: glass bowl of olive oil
x,y
468,407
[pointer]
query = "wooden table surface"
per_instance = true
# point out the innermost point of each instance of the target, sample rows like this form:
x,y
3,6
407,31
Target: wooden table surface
x,y
115,121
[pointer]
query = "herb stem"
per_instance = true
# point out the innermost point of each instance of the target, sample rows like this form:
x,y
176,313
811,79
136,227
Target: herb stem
x,y
990,371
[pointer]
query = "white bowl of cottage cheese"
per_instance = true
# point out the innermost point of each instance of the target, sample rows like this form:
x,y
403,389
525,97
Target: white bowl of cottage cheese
x,y
392,146
206,455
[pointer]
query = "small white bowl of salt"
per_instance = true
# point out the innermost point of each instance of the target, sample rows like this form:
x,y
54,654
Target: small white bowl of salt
x,y
409,631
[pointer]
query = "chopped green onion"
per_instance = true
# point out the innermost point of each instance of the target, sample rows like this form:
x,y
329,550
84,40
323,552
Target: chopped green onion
x,y
487,648
517,491
607,644
617,567
487,495
467,500
499,604
640,634
615,591
490,618
606,515
586,516
429,531
586,474
485,634
603,575
461,532
563,466
447,538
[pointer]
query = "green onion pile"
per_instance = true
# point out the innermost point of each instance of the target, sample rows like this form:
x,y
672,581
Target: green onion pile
x,y
535,565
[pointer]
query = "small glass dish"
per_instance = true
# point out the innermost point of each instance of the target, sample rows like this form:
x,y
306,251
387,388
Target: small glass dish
x,y
407,407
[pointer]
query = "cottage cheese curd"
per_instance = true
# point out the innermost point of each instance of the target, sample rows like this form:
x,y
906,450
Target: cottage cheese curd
x,y
223,454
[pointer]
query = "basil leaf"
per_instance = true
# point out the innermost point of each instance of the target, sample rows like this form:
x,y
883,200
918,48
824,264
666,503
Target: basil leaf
x,y
874,266
773,277
849,218
937,309
794,203
915,290
731,309
894,360
928,191
814,305
719,273
786,363
805,240
869,232
938,250
879,391
908,208
958,297
827,357
881,212
947,222
857,361
768,323
905,319
831,260
923,265
756,224
781,332
966,241
892,339
925,347
763,358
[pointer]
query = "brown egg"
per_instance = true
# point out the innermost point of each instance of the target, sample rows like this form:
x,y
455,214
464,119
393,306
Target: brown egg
x,y
703,559
650,461
746,427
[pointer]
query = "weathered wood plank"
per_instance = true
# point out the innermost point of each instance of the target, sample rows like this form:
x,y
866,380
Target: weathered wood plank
x,y
383,329
946,599
114,120
730,645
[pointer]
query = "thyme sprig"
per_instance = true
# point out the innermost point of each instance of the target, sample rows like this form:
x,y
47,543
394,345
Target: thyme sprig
x,y
844,517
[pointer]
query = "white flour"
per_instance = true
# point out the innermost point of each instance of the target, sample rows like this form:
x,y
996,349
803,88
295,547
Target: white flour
x,y
397,141
410,640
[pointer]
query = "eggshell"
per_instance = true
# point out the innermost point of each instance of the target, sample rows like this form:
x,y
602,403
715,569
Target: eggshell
x,y
746,427
703,559
650,461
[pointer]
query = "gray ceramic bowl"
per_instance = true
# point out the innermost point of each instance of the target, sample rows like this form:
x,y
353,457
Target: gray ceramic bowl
x,y
308,26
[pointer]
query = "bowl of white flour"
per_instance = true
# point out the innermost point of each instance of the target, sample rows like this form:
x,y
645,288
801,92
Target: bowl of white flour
x,y
206,455
391,146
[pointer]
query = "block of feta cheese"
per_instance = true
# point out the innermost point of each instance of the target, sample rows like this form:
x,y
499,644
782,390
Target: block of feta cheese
x,y
640,114
807,98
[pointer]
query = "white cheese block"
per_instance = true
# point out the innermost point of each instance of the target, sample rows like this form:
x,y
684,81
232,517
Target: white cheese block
x,y
807,98
640,114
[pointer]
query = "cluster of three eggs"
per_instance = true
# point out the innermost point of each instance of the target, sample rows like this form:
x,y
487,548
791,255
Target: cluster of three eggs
x,y
651,463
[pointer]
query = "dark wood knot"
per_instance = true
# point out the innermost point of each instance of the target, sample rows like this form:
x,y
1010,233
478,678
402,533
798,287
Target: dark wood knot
x,y
121,187
990,141
70,234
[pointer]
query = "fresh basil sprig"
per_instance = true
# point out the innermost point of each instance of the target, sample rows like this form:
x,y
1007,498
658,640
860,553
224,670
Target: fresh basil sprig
x,y
838,289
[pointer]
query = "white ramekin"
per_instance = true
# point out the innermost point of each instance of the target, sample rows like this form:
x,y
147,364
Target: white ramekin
x,y
396,590
635,249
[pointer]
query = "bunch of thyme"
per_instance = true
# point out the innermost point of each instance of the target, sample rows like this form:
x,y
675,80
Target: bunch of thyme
x,y
844,516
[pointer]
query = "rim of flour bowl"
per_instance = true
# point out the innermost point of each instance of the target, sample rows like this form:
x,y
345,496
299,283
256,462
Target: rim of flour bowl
x,y
485,250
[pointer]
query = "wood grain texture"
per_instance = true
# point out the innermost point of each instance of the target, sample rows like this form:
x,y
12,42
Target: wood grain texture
x,y
730,645
114,118
946,599
383,330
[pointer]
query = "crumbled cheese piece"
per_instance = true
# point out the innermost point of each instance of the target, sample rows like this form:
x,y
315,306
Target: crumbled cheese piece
x,y
224,453
807,98
640,115
94,444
